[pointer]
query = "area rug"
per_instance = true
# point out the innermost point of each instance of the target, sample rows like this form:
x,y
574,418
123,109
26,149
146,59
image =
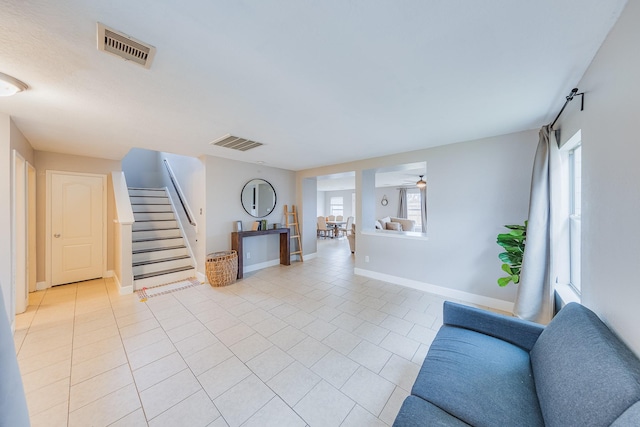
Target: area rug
x,y
167,288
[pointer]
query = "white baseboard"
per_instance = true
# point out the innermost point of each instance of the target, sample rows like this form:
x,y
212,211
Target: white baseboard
x,y
201,277
41,286
438,290
260,266
311,256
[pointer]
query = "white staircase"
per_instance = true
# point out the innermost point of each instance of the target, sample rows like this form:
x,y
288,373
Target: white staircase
x,y
160,254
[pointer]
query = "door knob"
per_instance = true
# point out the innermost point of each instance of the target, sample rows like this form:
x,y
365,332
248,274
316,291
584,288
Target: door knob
x,y
56,235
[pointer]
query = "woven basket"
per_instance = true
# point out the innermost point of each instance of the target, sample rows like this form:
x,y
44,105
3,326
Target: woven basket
x,y
222,268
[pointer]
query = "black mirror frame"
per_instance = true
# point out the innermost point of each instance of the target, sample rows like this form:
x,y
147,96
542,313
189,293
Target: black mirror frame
x,y
275,197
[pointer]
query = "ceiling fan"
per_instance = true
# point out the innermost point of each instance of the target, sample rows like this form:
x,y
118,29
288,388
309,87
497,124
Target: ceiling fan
x,y
420,184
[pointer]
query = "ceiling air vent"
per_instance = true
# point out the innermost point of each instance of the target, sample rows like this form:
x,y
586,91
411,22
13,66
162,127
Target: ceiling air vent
x,y
236,143
127,48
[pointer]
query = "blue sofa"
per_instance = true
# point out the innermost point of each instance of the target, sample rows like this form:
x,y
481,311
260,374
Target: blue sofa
x,y
485,369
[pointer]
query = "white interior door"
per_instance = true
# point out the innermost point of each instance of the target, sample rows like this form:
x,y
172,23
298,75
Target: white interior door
x,y
78,217
19,243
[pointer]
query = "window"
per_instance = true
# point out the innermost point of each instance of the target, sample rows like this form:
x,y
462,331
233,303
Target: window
x,y
414,211
575,212
337,206
353,205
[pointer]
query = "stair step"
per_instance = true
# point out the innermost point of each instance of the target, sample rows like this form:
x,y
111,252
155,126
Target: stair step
x,y
153,216
158,254
156,261
155,234
151,208
160,273
155,224
146,200
161,265
142,251
163,279
157,243
148,192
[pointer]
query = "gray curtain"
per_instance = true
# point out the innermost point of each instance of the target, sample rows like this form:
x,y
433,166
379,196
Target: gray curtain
x,y
402,204
534,299
423,208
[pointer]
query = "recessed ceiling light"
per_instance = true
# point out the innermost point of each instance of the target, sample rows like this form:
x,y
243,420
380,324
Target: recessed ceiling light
x,y
260,162
10,85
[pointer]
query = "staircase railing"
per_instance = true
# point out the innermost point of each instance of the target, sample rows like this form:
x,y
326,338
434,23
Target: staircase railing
x,y
181,197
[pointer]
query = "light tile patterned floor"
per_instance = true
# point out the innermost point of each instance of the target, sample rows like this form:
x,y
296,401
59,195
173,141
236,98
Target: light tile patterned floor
x,y
309,344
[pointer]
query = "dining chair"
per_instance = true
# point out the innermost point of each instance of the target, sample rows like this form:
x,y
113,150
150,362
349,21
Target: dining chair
x,y
339,218
347,228
323,230
331,218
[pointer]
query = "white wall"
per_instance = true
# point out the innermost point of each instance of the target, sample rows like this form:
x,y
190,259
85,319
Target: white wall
x,y
392,197
320,209
611,178
224,181
190,174
142,168
474,189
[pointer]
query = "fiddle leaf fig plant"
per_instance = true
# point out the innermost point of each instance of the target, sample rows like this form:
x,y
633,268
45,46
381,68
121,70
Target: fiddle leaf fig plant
x,y
513,244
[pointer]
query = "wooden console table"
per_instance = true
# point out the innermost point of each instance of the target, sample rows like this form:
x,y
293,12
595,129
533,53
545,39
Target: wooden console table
x,y
238,236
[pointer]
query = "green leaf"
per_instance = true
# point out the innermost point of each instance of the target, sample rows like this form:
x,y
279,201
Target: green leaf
x,y
507,269
515,278
504,281
517,227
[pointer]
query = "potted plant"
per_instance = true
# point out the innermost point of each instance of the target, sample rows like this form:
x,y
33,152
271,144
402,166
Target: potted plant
x,y
513,244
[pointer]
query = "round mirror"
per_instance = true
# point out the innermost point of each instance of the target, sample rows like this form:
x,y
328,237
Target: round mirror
x,y
258,198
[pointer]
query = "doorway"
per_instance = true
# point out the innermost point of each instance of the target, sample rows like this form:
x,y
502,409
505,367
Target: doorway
x,y
76,228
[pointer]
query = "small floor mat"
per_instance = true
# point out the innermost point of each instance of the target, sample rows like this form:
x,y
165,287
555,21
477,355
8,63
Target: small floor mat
x,y
167,288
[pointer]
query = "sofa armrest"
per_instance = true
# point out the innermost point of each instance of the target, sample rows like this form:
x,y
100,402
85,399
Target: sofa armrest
x,y
516,331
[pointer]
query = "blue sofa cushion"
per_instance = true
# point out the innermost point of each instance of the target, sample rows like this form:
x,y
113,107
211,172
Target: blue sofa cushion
x,y
416,412
584,374
479,379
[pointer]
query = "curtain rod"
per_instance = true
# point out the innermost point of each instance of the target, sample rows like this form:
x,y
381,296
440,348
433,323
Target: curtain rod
x,y
574,92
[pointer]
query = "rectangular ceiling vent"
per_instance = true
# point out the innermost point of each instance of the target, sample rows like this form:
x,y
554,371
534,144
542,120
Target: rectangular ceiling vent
x,y
236,143
127,48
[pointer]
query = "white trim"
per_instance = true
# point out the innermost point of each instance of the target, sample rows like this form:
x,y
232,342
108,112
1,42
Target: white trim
x,y
260,265
311,256
410,235
438,290
566,294
201,277
122,290
41,286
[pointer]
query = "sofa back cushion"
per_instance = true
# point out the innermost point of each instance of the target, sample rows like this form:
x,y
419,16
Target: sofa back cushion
x,y
584,374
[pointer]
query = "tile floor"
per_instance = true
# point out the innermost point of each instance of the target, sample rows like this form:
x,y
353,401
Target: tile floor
x,y
309,344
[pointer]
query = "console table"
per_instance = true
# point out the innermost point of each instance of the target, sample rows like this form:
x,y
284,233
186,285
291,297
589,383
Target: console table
x,y
238,236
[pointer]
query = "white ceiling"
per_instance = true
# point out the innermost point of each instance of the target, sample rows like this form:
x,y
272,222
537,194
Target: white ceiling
x,y
317,82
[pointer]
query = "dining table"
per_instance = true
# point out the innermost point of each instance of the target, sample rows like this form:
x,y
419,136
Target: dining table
x,y
336,226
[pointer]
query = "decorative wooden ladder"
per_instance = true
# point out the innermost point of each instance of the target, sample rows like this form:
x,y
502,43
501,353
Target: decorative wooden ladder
x,y
296,228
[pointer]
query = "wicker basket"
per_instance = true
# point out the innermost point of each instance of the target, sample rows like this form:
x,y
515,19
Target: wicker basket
x,y
222,268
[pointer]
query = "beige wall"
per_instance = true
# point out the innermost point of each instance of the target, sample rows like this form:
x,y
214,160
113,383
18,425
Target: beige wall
x,y
611,177
45,161
474,188
5,214
224,182
10,138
